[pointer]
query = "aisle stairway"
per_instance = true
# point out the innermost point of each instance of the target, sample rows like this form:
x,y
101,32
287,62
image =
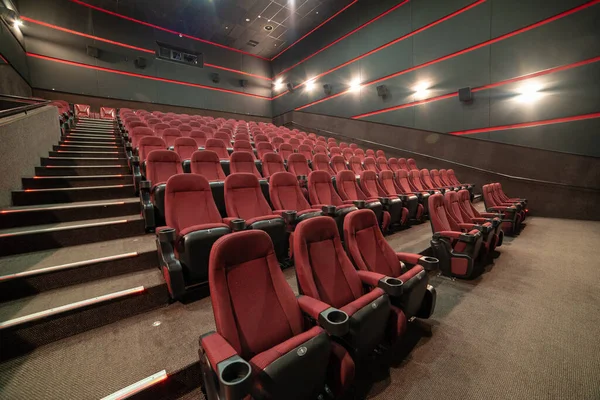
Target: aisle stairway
x,y
74,257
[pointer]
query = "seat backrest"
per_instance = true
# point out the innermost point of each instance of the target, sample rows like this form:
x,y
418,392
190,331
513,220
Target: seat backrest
x,y
393,163
306,151
148,144
160,128
243,145
219,147
467,209
244,198
208,130
370,164
223,136
285,151
243,162
348,153
369,184
82,110
386,181
355,165
353,146
258,138
402,181
426,179
360,154
169,135
323,268
452,177
263,148
175,123
321,163
247,286
335,151
415,181
366,245
189,201
185,147
195,124
347,187
242,136
338,164
380,153
437,214
434,174
185,129
320,149
108,113
138,133
412,164
207,164
445,178
321,191
285,192
382,164
403,164
271,164
370,153
161,165
298,165
277,141
199,136
453,212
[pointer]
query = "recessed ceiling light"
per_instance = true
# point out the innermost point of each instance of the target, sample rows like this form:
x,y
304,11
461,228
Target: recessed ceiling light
x,y
259,16
268,20
317,12
247,19
226,27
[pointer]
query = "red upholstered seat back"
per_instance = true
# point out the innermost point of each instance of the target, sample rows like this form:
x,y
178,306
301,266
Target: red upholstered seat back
x,y
242,161
369,164
355,165
343,145
335,151
175,123
242,136
412,164
348,153
452,177
223,135
185,147
298,165
161,165
426,179
263,148
466,207
285,151
370,153
189,201
403,181
243,145
453,212
320,149
138,133
445,178
324,270
169,135
366,245
208,130
382,164
380,153
285,192
338,164
321,163
360,154
199,136
244,198
347,187
369,184
386,181
148,144
434,174
437,214
207,164
219,147
403,165
353,146
321,191
271,164
393,163
185,129
254,307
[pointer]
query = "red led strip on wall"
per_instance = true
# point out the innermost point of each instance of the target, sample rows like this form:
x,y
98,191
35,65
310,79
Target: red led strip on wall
x,y
480,88
528,124
149,51
460,52
3,59
318,26
153,78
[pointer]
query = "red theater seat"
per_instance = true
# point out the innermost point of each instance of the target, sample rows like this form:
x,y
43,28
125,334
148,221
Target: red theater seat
x,y
245,146
393,205
321,163
325,273
147,144
350,193
199,137
338,164
452,178
263,148
348,153
321,194
403,164
160,166
137,133
470,213
320,149
428,183
360,154
335,151
412,164
185,147
207,164
298,165
513,216
369,164
456,251
355,165
306,151
370,153
353,146
219,147
170,135
410,200
285,151
369,251
382,164
243,162
261,335
271,164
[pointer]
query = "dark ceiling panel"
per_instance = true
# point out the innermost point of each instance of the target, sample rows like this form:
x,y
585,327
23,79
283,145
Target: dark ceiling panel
x,y
232,22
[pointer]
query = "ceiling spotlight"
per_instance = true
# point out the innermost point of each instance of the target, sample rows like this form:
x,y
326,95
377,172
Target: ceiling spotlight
x,y
247,19
421,89
259,16
18,23
529,93
278,84
355,85
310,85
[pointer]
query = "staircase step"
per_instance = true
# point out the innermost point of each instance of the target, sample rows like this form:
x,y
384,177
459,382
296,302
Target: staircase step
x,y
82,170
93,129
23,275
86,154
75,161
66,195
89,142
110,358
46,317
47,214
73,147
108,140
50,236
70,181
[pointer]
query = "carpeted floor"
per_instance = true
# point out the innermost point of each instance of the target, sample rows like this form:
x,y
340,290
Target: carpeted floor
x,y
528,328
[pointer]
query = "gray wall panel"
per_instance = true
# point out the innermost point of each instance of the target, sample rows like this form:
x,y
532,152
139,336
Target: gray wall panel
x,y
126,87
12,50
65,78
427,11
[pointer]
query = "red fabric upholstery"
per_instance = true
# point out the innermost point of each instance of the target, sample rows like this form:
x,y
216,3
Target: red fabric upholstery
x,y
321,191
382,164
338,164
306,151
242,161
348,153
370,153
355,165
321,163
369,164
412,164
244,198
436,178
217,349
148,144
285,151
335,151
354,306
199,136
403,164
386,182
353,146
207,164
271,164
263,148
285,192
160,128
415,181
344,145
298,165
185,147
370,186
245,146
380,153
426,181
360,154
137,133
161,165
320,149
185,129
393,163
189,203
219,147
348,188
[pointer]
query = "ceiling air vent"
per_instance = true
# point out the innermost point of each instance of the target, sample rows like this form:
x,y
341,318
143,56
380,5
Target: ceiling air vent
x,y
252,43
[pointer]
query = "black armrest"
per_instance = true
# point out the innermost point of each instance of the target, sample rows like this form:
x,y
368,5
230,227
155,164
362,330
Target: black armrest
x,y
386,201
468,238
429,263
328,210
360,204
169,264
238,225
234,378
290,217
147,206
334,321
392,286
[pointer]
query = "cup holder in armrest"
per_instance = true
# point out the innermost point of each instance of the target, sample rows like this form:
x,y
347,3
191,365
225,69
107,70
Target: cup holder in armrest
x,y
168,235
467,237
360,204
495,222
484,229
429,263
328,210
403,197
334,321
238,225
145,185
290,217
386,201
234,377
392,286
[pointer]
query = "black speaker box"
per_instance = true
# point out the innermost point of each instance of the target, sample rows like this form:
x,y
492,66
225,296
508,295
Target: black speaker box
x,y
465,95
327,88
93,51
382,91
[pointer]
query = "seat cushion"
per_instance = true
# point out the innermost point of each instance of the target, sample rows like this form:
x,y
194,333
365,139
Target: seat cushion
x,y
262,360
201,227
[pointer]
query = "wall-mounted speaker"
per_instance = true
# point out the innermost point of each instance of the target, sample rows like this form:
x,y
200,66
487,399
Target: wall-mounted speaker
x,y
290,87
382,91
93,51
243,83
327,88
215,78
140,62
465,95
